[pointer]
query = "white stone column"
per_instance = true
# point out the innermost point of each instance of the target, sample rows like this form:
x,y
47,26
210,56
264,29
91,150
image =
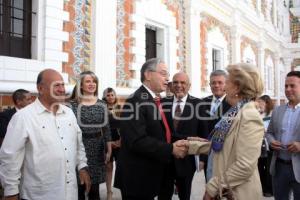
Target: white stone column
x,y
193,49
287,64
258,7
277,77
274,14
105,43
235,44
260,58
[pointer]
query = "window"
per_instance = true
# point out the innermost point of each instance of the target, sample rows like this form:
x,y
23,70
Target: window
x,y
150,43
15,28
249,60
216,59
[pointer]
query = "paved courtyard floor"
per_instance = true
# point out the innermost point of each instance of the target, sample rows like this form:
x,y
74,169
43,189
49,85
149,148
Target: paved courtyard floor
x,y
197,189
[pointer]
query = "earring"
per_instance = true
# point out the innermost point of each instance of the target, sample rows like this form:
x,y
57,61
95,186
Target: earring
x,y
236,95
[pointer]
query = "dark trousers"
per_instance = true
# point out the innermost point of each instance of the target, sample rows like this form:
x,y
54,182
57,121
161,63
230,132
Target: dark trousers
x,y
264,173
93,194
134,198
284,181
167,185
184,186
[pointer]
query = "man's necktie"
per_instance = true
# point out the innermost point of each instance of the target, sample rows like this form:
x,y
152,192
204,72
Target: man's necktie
x,y
164,119
177,114
215,107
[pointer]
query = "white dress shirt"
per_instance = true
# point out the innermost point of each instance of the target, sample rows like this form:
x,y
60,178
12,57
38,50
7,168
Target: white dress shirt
x,y
150,91
215,103
40,153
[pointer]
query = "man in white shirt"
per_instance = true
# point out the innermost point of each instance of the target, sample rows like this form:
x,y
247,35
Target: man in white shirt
x,y
43,147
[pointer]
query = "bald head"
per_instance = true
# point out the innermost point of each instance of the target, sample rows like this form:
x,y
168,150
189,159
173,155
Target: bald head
x,y
47,73
181,84
50,86
183,76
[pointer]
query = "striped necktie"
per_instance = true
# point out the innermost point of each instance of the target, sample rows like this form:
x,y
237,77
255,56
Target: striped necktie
x,y
177,115
215,107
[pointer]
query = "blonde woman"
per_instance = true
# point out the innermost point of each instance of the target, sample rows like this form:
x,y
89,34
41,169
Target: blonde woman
x,y
236,139
92,117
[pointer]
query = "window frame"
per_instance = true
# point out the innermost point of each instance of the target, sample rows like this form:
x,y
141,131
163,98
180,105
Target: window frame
x,y
12,43
216,63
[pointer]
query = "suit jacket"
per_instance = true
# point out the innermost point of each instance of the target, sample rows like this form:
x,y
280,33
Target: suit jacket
x,y
144,152
211,121
274,133
238,158
5,117
190,125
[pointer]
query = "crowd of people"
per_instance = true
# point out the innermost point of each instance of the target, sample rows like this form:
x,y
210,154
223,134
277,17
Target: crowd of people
x,y
54,147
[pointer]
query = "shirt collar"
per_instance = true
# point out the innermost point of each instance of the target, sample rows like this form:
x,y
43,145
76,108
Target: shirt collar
x,y
221,98
296,107
41,108
150,91
183,99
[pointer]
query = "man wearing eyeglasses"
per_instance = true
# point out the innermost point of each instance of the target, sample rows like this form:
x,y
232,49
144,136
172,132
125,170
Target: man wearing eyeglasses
x,y
183,116
146,147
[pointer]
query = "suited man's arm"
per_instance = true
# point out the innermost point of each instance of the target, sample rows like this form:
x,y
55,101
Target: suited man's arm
x,y
203,127
134,135
270,134
248,149
3,125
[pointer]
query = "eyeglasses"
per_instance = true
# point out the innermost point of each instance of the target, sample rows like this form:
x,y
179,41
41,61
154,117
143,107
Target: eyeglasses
x,y
162,73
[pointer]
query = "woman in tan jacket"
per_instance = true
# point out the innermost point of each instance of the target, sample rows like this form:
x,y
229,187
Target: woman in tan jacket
x,y
236,139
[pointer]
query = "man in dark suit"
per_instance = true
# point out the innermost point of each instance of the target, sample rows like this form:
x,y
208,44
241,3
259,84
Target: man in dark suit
x,y
21,98
213,107
183,117
146,148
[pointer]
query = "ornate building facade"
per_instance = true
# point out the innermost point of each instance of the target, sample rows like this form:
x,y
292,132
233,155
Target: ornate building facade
x,y
114,38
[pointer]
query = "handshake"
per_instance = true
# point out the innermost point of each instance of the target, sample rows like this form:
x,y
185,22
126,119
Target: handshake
x,y
181,147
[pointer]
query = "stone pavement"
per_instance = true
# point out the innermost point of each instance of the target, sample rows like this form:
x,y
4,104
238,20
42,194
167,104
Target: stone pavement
x,y
197,189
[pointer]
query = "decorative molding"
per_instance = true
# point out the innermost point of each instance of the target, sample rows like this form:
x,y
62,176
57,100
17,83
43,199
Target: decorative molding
x,y
178,8
77,35
268,53
264,7
123,29
207,23
79,45
245,41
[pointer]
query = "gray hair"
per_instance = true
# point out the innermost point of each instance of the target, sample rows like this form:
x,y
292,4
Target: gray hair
x,y
150,65
218,72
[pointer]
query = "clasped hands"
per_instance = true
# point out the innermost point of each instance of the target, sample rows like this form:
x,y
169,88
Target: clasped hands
x,y
181,147
293,147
